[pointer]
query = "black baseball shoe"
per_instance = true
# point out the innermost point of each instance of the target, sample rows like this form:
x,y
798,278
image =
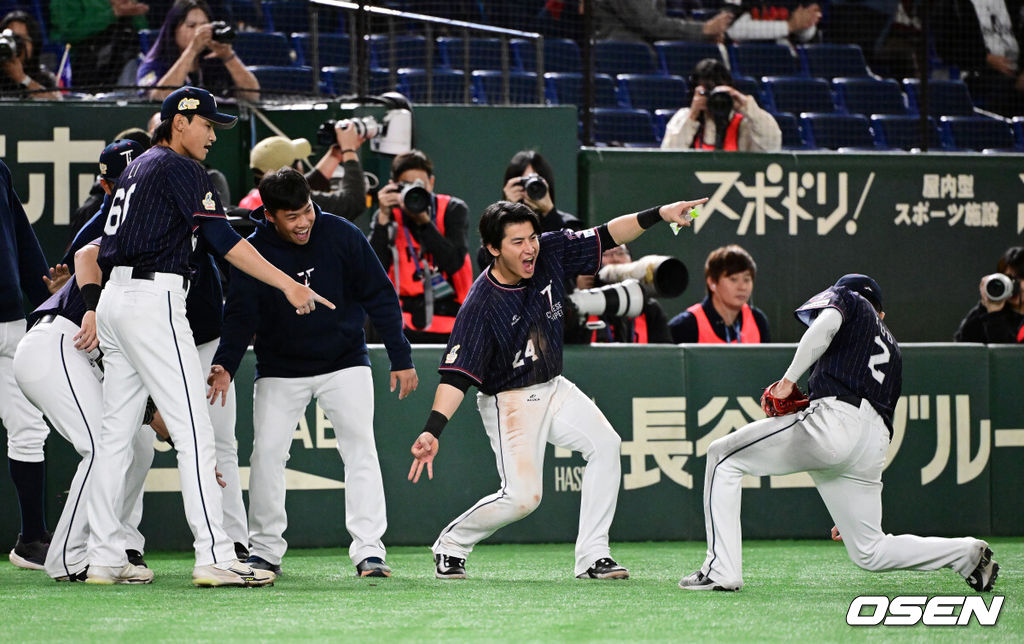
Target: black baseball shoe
x,y
241,552
135,558
449,567
75,576
372,567
604,568
984,576
700,581
31,555
262,564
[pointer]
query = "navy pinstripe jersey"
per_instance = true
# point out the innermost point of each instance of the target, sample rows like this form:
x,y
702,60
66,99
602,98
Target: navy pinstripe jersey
x,y
863,359
508,337
67,302
163,200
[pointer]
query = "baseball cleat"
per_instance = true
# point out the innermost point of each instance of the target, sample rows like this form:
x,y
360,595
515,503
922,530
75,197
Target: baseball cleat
x,y
449,567
135,558
604,568
259,563
126,574
984,576
30,555
700,581
372,567
75,576
241,552
237,575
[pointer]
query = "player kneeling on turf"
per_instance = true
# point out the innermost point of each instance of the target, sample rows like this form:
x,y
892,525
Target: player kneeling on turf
x,y
507,340
840,437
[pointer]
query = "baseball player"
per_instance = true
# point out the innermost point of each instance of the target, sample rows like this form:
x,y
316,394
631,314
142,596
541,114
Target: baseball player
x,y
840,439
163,200
23,269
323,355
507,341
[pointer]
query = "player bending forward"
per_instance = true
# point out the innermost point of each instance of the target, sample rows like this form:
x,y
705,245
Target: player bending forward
x,y
507,341
841,439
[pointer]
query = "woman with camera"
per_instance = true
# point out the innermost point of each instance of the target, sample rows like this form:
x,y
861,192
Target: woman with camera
x,y
23,75
191,50
720,117
999,316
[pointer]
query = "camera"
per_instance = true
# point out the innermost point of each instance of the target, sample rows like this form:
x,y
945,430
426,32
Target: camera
x,y
366,127
10,45
223,32
415,196
664,275
999,287
719,104
625,299
535,186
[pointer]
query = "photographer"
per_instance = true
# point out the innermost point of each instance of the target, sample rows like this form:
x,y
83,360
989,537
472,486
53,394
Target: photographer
x,y
189,50
421,239
999,316
23,76
720,117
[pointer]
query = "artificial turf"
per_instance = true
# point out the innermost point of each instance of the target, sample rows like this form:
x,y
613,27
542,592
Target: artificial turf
x,y
795,591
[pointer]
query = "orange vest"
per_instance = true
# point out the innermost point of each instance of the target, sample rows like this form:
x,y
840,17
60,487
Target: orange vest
x,y
732,136
408,286
749,333
1020,334
252,201
639,329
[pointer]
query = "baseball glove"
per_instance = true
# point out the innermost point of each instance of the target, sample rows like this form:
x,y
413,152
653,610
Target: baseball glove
x,y
774,406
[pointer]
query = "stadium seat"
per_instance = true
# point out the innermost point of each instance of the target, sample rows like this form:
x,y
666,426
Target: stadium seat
x,y
833,61
484,53
448,85
284,79
977,133
146,39
792,137
560,55
615,57
489,89
945,97
338,81
259,48
335,49
1018,131
834,131
651,91
661,118
903,132
870,96
679,57
751,87
410,51
288,16
248,13
566,88
797,95
624,126
759,59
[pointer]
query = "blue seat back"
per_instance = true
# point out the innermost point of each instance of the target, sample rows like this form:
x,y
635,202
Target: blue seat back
x,y
903,131
797,95
653,91
679,57
489,87
945,97
261,48
832,60
978,132
335,49
835,131
870,96
620,125
759,59
614,57
560,55
566,88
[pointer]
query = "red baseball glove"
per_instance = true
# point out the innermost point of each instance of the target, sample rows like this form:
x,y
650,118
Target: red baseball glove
x,y
774,406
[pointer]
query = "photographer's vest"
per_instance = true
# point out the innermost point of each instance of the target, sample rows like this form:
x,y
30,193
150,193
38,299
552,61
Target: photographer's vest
x,y
1020,334
732,136
639,329
749,333
410,286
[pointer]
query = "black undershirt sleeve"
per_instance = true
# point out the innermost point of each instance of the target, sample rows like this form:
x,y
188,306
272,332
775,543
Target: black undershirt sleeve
x,y
460,381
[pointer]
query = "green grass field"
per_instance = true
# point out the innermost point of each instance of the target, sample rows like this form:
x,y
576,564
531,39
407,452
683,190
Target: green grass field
x,y
795,591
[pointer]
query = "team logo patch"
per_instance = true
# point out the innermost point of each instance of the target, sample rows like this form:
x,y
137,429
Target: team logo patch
x,y
103,168
208,202
453,355
188,104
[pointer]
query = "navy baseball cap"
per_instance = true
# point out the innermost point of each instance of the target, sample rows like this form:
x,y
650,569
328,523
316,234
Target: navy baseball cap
x,y
198,101
864,285
116,157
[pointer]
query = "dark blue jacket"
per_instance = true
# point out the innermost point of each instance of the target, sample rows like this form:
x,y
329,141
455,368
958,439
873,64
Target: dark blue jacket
x,y
337,263
22,264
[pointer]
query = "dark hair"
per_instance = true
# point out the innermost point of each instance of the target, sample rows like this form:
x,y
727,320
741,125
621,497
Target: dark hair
x,y
165,47
284,189
1012,260
164,130
500,214
35,34
138,135
411,160
540,165
710,72
728,260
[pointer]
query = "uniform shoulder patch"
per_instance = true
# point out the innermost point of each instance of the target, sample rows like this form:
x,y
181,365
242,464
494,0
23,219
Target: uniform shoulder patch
x,y
208,201
453,354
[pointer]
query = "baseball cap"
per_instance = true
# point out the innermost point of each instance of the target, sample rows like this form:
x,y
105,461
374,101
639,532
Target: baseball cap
x,y
116,157
198,101
864,285
277,151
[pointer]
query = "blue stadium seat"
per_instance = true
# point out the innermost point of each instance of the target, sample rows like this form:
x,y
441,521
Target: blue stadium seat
x,y
759,59
751,87
679,57
484,53
624,126
146,39
797,95
614,57
833,61
945,97
903,132
489,89
335,49
560,55
284,79
410,51
652,91
566,88
1018,131
259,48
448,85
834,131
792,137
288,16
977,133
870,95
336,80
661,118
246,12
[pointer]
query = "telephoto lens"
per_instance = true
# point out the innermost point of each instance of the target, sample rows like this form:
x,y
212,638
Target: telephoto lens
x,y
999,287
535,186
415,196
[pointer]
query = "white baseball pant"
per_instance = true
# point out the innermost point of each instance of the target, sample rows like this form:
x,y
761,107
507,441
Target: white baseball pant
x,y
843,448
346,396
26,429
148,348
520,423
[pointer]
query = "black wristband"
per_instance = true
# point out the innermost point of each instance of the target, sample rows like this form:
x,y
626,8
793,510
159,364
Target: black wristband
x,y
649,217
91,295
435,423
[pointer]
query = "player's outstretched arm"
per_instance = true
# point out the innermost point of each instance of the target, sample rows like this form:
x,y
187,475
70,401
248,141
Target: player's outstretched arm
x,y
446,400
248,260
626,228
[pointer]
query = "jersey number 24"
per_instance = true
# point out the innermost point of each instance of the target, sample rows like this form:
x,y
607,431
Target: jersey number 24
x,y
522,356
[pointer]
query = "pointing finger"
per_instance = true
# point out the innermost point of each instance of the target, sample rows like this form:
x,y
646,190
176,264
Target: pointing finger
x,y
324,301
